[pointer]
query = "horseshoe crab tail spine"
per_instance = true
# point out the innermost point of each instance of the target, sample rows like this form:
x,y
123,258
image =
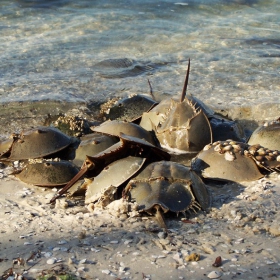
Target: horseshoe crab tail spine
x,y
159,217
83,170
184,91
151,90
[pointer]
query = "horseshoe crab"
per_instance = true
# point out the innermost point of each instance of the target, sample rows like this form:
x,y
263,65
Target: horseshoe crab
x,y
37,142
267,135
222,128
130,108
181,127
234,161
92,144
48,173
168,186
106,183
114,128
127,146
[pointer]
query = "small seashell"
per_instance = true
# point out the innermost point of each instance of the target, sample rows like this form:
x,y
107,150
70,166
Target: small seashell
x,y
230,156
259,158
94,250
51,261
236,147
127,241
270,158
227,148
261,151
61,242
214,275
27,243
217,148
278,158
207,147
218,262
56,249
106,271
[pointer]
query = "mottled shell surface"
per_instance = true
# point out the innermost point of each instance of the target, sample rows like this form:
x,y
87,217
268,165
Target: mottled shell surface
x,y
115,128
130,108
48,173
112,176
92,144
39,142
172,186
267,135
225,160
72,125
185,129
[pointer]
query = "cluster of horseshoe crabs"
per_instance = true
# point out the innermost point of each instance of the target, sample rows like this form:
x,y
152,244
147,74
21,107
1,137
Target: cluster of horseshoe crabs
x,y
131,161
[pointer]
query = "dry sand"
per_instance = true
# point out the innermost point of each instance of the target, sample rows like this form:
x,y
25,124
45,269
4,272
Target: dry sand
x,y
243,227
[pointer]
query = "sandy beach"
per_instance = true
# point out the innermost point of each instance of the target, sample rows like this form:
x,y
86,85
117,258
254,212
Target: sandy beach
x,y
37,239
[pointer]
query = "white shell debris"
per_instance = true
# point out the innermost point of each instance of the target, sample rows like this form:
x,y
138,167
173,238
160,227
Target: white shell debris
x,y
214,275
106,271
94,250
47,254
51,261
61,242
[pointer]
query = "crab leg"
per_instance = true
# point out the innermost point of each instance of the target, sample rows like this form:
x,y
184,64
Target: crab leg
x,y
159,217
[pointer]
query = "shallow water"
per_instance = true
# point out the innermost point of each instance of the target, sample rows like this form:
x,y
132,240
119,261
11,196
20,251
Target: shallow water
x,y
89,51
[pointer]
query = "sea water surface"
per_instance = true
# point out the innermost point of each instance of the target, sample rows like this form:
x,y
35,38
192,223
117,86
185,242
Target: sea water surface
x,y
93,50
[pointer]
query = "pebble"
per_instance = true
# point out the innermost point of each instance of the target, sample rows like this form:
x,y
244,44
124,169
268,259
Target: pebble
x,y
27,243
214,275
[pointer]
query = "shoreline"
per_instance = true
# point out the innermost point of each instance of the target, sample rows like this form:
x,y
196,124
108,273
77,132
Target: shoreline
x,y
16,116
